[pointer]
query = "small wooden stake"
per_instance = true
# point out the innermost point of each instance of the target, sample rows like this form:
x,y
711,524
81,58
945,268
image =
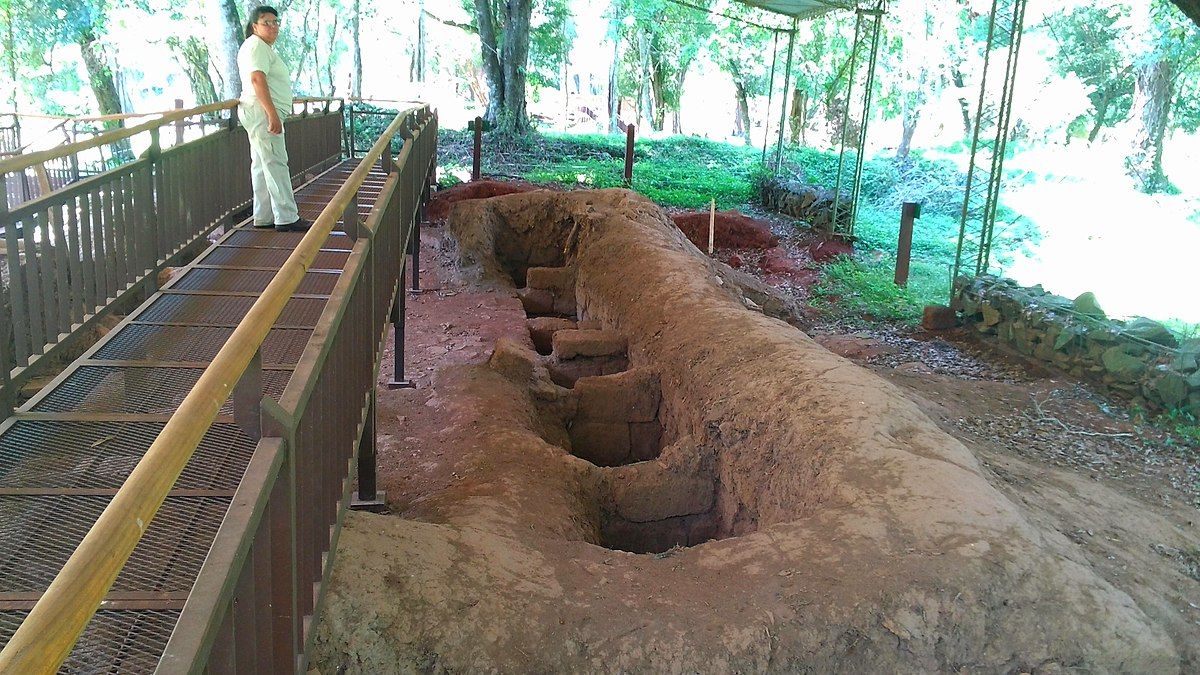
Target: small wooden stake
x,y
712,224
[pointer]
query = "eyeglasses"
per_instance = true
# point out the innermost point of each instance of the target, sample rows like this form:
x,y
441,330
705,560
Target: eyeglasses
x,y
270,24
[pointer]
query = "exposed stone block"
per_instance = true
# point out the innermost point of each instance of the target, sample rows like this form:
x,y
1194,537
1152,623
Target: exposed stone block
x,y
543,328
645,441
938,317
631,396
601,443
566,373
513,360
560,280
569,344
645,493
536,300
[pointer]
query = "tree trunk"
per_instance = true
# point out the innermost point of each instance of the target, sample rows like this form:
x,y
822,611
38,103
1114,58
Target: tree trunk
x,y
193,56
419,51
491,60
908,128
225,36
1149,115
799,114
355,34
963,103
676,123
10,47
329,57
657,96
644,107
100,76
1101,112
514,58
614,94
743,108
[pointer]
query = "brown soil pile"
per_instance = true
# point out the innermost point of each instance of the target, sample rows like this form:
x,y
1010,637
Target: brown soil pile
x,y
731,230
441,201
827,249
807,515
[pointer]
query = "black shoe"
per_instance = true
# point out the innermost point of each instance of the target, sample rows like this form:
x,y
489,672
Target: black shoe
x,y
299,226
263,226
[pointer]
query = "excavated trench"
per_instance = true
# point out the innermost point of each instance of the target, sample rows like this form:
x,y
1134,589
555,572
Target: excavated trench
x,y
807,515
616,420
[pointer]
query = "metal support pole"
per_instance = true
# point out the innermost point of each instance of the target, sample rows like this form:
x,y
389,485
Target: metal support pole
x,y
351,124
909,212
367,498
876,28
787,82
837,185
477,149
771,97
989,139
630,135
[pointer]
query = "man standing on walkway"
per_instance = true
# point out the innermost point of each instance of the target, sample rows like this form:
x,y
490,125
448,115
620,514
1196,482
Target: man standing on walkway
x,y
266,102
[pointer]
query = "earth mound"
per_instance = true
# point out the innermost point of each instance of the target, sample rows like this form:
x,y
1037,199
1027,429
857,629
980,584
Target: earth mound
x,y
441,201
732,229
687,484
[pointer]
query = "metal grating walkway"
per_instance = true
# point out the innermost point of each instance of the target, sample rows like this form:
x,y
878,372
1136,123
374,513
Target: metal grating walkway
x,y
65,453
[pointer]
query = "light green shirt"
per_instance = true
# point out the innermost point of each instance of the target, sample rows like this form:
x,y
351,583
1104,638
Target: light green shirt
x,y
258,55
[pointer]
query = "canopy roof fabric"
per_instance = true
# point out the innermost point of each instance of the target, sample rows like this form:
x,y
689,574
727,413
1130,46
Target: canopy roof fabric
x,y
801,9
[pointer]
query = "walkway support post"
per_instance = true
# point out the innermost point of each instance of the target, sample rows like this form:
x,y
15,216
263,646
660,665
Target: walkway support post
x,y
367,497
477,149
630,134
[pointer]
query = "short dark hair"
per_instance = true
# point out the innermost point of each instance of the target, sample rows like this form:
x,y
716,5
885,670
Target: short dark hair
x,y
256,14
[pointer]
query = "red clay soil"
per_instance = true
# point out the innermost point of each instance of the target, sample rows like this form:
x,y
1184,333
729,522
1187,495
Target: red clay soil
x,y
439,204
731,230
828,249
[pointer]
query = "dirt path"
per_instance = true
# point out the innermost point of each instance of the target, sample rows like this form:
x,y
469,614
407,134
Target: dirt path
x,y
1050,443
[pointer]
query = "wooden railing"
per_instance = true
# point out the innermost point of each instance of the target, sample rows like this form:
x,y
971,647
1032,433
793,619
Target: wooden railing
x,y
72,253
253,605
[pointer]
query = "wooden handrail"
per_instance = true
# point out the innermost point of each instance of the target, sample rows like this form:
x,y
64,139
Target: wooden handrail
x,y
46,637
25,161
126,116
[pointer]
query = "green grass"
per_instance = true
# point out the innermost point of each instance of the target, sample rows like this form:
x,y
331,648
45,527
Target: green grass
x,y
867,290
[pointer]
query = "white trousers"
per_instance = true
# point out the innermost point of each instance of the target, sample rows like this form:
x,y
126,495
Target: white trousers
x,y
273,199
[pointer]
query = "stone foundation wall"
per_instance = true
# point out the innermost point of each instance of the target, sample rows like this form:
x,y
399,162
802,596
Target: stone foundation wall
x,y
805,202
1140,359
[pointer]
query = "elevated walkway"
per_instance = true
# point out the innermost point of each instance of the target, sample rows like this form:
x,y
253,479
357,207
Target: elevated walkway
x,y
228,575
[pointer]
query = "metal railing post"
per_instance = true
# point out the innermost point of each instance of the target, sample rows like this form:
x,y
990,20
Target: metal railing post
x,y
154,191
247,398
8,397
179,124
